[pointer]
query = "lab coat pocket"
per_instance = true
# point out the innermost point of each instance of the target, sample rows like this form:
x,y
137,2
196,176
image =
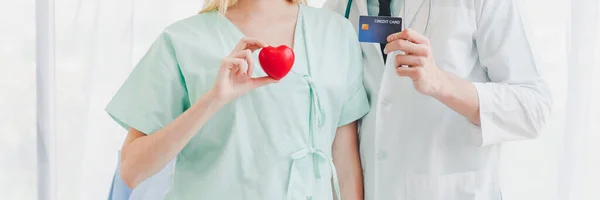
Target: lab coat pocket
x,y
457,186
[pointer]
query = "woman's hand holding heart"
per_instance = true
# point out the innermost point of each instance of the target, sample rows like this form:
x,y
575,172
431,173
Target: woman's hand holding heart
x,y
234,78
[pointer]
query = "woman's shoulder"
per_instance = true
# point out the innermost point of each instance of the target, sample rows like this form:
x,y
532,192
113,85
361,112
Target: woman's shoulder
x,y
327,18
193,26
330,25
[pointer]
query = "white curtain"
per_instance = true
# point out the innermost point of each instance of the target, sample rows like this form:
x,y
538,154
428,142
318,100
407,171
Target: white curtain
x,y
99,44
99,41
562,164
579,163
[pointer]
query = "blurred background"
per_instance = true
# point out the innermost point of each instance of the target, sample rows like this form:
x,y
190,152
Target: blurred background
x,y
99,41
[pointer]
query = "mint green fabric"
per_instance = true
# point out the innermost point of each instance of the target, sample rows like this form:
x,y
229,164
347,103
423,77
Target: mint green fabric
x,y
272,143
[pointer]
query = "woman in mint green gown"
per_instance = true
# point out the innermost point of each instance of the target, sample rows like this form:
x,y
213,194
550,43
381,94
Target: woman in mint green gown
x,y
199,95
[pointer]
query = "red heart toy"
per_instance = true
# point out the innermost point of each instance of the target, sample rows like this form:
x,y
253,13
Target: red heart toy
x,y
276,61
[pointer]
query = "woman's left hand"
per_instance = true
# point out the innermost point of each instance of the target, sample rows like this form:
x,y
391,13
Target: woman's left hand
x,y
426,77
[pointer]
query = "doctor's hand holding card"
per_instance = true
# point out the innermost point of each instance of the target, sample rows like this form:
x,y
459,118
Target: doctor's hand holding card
x,y
415,61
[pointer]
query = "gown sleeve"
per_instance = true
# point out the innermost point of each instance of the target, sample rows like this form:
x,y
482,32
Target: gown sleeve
x,y
154,94
355,105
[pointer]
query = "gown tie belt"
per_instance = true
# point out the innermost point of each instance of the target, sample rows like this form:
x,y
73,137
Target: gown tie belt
x,y
316,102
317,118
312,151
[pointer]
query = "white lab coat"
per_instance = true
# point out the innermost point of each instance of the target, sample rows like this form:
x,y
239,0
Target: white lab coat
x,y
415,148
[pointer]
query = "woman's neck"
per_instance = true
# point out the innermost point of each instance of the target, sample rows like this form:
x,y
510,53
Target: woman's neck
x,y
250,7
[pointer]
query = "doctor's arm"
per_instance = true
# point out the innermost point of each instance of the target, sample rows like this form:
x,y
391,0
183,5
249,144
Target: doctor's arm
x,y
513,105
347,161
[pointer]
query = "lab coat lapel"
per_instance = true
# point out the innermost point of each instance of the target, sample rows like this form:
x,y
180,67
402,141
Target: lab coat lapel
x,y
362,7
421,18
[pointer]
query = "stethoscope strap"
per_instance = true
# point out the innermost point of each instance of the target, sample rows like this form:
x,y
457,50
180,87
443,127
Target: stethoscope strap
x,y
348,7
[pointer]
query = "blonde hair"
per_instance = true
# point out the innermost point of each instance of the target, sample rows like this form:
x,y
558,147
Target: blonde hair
x,y
222,5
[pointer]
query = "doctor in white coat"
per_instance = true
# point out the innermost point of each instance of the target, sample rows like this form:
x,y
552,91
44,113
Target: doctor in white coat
x,y
439,113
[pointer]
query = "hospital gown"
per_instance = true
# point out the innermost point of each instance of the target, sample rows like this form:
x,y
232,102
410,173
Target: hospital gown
x,y
272,143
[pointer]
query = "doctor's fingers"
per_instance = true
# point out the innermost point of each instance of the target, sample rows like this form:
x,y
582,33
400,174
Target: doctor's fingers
x,y
409,72
407,47
249,43
235,64
246,55
410,60
410,35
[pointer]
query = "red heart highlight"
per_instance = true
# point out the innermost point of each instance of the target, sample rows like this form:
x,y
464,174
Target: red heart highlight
x,y
276,61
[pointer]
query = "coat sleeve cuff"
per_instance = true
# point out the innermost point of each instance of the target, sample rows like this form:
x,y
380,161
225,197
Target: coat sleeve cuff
x,y
485,131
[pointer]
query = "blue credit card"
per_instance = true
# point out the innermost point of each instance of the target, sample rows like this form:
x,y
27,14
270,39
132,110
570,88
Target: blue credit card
x,y
376,29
